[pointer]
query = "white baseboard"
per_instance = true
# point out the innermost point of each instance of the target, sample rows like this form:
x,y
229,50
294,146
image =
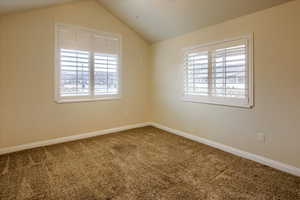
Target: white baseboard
x,y
260,159
69,138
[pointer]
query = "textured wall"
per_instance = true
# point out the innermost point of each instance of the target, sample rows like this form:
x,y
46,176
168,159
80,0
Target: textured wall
x,y
277,86
28,111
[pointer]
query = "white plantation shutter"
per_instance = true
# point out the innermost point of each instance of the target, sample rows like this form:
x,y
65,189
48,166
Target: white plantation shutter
x,y
106,61
229,72
219,73
196,71
106,45
87,63
106,74
74,38
74,72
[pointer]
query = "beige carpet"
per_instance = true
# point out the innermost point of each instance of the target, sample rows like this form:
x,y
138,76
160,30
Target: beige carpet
x,y
144,163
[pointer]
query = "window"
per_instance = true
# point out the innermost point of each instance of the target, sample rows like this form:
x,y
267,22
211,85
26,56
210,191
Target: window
x,y
87,64
220,73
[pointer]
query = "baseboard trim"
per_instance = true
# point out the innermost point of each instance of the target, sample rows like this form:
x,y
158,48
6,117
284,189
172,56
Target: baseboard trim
x,y
70,138
260,159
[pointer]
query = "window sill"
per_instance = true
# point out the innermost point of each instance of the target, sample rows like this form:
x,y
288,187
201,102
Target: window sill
x,y
240,103
77,100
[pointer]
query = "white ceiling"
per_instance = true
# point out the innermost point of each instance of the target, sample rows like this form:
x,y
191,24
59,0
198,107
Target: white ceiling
x,y
161,19
158,20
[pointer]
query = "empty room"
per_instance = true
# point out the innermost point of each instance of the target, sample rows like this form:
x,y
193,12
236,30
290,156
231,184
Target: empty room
x,y
149,100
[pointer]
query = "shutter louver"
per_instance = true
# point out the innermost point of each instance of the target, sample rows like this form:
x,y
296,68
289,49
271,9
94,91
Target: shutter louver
x,y
229,72
75,73
106,74
196,68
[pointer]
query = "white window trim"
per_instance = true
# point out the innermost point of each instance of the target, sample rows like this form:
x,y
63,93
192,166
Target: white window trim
x,y
226,101
90,98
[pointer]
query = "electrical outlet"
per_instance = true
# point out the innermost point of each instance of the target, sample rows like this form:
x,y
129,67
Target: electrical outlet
x,y
261,137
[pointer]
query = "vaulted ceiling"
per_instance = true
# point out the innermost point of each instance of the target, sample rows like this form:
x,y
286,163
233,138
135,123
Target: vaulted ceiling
x,y
158,20
161,19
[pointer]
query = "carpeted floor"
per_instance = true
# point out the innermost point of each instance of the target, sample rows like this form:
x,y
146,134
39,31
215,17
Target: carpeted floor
x,y
145,163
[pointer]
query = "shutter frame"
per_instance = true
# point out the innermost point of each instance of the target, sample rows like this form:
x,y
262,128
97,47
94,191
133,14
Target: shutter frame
x,y
210,98
91,47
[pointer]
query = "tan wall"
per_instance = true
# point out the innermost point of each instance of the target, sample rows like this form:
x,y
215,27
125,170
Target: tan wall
x,y
277,86
28,112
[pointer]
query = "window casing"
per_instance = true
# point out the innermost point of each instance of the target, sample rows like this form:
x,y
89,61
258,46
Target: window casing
x,y
88,64
220,73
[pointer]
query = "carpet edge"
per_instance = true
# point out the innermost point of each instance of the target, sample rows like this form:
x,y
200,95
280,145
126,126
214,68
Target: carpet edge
x,y
254,157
